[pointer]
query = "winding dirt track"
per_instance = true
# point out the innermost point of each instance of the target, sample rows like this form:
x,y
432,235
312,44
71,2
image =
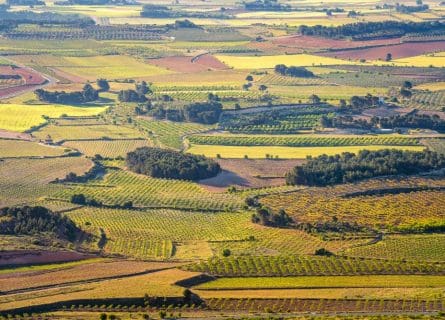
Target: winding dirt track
x,y
33,80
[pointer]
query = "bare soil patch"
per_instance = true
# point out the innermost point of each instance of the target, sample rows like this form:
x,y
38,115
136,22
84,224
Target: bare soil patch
x,y
199,63
308,42
249,173
25,257
5,134
397,51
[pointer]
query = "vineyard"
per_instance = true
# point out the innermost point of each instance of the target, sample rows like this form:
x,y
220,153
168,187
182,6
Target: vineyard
x,y
413,247
302,141
284,266
119,186
224,213
107,148
313,282
274,152
428,100
29,179
377,208
169,134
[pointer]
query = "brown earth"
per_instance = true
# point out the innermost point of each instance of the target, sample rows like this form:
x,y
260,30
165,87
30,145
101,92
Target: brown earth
x,y
308,42
398,51
249,173
32,80
190,64
24,257
5,134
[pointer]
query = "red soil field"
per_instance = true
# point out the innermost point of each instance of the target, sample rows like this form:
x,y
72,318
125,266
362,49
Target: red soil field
x,y
190,64
31,79
308,42
398,51
5,134
39,257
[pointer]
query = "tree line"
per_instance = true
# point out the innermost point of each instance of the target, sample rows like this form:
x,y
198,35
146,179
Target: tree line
x,y
371,30
412,120
162,163
349,167
87,94
36,221
293,71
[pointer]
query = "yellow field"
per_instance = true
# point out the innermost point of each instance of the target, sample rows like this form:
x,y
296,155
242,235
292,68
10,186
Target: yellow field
x,y
331,293
284,152
262,62
20,117
432,86
435,59
110,67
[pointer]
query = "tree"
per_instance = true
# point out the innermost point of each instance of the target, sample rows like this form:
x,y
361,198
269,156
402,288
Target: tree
x,y
226,253
262,87
78,199
405,93
187,294
388,57
103,85
249,78
314,99
103,316
142,88
407,85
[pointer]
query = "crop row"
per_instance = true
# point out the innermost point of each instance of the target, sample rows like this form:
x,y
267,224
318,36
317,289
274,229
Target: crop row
x,y
118,187
255,266
325,305
301,141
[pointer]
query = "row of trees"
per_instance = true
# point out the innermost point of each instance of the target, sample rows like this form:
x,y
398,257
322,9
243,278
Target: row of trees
x,y
36,220
15,18
411,120
348,167
136,95
266,5
87,94
162,163
293,71
370,30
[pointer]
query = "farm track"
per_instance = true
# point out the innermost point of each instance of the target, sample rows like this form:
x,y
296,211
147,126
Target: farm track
x,y
18,90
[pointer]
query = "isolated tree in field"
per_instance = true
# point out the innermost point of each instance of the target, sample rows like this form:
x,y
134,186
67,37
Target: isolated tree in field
x,y
388,57
314,99
249,78
262,87
407,85
226,253
405,93
103,316
78,198
103,85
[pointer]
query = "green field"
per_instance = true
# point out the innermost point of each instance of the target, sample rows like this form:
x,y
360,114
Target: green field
x,y
326,282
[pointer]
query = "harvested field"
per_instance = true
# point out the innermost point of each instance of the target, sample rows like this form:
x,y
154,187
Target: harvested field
x,y
249,173
205,62
27,257
5,134
308,42
80,273
398,51
19,148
